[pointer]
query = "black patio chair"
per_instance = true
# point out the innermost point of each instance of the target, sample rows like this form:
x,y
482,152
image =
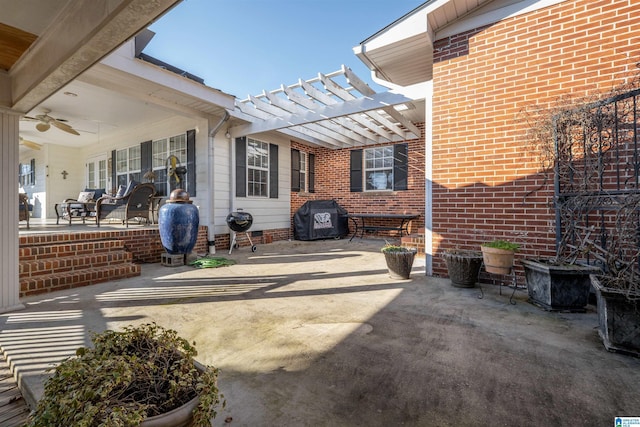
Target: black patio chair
x,y
135,205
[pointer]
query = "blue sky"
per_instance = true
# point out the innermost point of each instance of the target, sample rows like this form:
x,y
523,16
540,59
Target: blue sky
x,y
243,47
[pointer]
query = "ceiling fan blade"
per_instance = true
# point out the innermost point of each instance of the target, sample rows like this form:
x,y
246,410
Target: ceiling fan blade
x,y
30,144
42,127
63,126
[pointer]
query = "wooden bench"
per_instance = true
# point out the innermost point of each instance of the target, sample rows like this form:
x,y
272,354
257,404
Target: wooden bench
x,y
360,222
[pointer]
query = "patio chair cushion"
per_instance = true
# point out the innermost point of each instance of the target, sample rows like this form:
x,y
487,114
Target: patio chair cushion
x,y
97,192
130,187
85,196
120,192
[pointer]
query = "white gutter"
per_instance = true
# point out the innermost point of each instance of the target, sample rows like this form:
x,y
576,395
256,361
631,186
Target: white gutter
x,y
210,177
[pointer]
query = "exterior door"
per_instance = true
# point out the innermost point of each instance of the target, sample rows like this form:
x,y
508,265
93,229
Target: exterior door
x,y
97,174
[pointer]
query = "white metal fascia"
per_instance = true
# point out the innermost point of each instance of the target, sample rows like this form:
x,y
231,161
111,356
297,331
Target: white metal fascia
x,y
354,106
169,80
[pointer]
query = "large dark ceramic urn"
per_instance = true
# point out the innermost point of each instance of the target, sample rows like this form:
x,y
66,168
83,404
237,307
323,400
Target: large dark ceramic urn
x,y
178,221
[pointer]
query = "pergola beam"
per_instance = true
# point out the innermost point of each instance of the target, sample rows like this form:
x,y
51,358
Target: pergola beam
x,y
340,117
355,106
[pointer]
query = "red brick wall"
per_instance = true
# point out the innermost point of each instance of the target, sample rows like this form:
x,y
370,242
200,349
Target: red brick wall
x,y
486,184
332,182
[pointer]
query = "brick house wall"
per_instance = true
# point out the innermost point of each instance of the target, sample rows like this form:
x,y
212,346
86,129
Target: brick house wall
x,y
332,182
486,183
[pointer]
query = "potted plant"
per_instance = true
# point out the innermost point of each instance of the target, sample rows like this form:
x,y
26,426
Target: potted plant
x,y
143,376
399,260
463,267
617,289
498,256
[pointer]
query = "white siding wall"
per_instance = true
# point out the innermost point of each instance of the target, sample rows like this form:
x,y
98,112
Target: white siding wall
x,y
271,213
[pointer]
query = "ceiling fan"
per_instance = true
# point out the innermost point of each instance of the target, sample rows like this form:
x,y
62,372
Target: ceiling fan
x,y
30,144
45,121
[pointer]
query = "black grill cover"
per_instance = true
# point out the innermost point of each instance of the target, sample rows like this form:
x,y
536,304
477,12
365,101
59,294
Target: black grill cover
x,y
320,219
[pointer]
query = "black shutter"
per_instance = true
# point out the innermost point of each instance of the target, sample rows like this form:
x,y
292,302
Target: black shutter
x,y
295,170
400,166
312,173
241,167
33,172
146,159
356,171
114,180
191,162
20,177
273,171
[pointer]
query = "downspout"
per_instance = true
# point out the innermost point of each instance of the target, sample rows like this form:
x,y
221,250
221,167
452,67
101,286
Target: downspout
x,y
210,177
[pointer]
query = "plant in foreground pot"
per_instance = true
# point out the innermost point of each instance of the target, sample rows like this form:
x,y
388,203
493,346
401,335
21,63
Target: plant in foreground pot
x,y
498,256
463,266
399,260
144,375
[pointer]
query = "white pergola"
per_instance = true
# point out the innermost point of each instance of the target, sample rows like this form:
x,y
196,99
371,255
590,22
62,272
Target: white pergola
x,y
323,112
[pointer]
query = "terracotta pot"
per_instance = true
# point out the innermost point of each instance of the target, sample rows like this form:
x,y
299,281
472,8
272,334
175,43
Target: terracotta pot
x,y
497,261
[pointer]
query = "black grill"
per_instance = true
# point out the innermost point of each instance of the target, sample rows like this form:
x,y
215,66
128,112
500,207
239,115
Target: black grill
x,y
239,221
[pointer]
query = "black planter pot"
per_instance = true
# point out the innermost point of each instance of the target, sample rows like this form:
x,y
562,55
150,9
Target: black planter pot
x,y
464,267
618,318
558,287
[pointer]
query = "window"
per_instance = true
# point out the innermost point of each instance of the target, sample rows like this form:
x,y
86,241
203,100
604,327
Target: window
x,y
379,168
27,173
128,165
161,150
302,173
257,168
151,156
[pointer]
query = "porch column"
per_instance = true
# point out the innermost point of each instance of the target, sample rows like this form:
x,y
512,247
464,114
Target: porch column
x,y
9,159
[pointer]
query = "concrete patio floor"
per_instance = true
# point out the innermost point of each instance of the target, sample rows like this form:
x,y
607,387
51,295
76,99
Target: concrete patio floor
x,y
317,334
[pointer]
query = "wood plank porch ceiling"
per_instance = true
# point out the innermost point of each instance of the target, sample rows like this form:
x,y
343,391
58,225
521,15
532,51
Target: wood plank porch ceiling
x,y
320,111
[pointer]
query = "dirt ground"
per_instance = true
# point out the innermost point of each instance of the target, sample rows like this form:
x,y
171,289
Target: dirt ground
x,y
317,334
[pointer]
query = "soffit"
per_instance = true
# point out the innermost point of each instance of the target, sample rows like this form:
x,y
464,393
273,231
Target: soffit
x,y
402,52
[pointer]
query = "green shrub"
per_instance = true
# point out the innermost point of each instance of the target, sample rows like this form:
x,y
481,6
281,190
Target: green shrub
x,y
502,244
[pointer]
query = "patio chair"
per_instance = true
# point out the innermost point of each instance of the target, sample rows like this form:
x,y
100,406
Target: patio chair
x,y
133,205
24,208
81,207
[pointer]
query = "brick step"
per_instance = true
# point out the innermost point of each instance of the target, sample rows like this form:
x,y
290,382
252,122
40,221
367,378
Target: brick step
x,y
74,279
32,268
68,249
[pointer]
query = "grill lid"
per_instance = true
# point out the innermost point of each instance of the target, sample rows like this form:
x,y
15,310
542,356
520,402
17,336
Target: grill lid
x,y
239,221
